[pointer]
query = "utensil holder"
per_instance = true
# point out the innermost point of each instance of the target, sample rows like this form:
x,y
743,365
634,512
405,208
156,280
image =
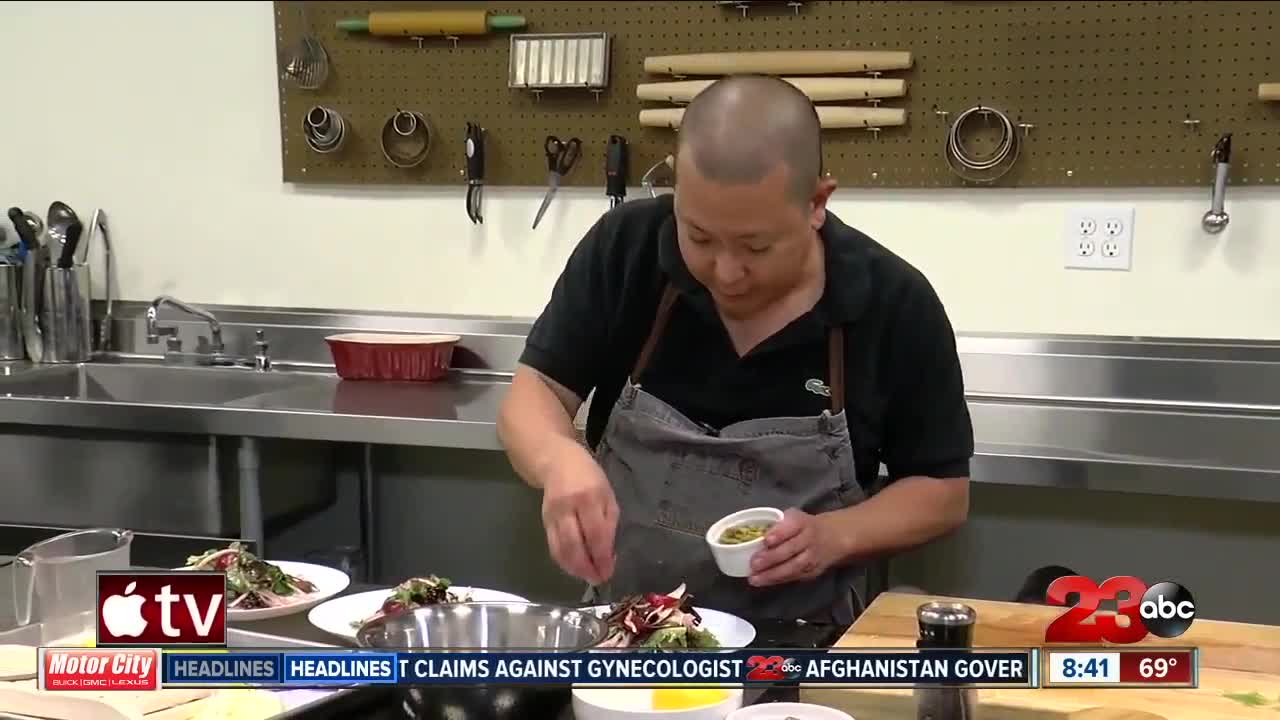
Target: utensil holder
x,y
11,347
65,317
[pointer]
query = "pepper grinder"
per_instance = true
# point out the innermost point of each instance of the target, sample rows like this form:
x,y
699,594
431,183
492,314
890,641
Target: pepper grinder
x,y
945,626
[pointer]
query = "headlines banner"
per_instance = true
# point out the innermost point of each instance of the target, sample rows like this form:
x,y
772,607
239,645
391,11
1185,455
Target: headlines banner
x,y
1006,668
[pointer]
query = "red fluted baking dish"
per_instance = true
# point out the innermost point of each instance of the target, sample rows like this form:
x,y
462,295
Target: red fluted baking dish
x,y
377,356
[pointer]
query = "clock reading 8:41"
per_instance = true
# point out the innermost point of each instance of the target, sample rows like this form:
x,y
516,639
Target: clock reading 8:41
x,y
1091,668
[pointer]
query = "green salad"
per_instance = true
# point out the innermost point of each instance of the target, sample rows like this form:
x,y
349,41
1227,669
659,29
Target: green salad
x,y
665,622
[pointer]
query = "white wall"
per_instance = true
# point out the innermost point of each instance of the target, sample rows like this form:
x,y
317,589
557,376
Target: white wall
x,y
167,117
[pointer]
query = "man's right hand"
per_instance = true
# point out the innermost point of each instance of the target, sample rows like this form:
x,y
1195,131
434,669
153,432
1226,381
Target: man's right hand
x,y
580,514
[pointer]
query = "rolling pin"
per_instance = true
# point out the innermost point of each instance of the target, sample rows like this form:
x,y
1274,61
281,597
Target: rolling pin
x,y
779,62
431,22
830,117
1270,92
817,89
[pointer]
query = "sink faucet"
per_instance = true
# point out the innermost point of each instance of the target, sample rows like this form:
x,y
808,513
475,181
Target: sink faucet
x,y
155,331
262,358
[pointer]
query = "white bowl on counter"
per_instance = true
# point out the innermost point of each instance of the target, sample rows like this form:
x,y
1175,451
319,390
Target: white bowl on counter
x,y
735,560
787,710
615,703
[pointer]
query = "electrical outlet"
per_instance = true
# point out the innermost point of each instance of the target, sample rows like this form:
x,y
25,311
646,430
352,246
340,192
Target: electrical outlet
x,y
1099,237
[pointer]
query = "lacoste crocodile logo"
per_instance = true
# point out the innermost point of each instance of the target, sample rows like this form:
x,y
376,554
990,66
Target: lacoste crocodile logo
x,y
817,387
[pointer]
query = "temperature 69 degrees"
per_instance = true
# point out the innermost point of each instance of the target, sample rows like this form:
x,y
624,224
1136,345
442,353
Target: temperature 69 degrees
x,y
1162,667
1121,667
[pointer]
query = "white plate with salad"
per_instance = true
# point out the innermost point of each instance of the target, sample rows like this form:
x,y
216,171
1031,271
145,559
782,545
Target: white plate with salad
x,y
260,590
671,621
343,616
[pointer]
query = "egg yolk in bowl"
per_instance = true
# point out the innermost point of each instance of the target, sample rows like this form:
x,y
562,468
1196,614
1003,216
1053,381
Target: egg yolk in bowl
x,y
687,698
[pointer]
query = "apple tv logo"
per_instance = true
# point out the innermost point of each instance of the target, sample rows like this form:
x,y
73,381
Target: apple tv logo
x,y
174,608
122,614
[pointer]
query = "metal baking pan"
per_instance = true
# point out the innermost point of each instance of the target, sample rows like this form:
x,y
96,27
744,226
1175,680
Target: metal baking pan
x,y
559,60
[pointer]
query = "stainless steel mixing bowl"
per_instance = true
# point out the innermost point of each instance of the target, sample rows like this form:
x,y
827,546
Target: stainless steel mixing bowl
x,y
489,627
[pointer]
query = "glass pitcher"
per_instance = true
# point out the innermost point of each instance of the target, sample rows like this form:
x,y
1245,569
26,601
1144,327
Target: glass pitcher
x,y
57,579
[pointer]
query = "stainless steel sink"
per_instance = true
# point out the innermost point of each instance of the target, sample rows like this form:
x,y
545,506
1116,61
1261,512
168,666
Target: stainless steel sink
x,y
147,384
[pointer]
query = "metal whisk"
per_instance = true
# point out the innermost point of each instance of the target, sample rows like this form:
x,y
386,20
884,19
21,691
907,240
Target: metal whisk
x,y
309,66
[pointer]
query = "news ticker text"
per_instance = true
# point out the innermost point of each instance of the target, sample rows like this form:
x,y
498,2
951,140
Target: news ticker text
x,y
100,669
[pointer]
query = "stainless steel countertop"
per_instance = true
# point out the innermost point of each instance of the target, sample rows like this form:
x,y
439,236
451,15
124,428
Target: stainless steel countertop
x,y
457,412
1088,444
1165,416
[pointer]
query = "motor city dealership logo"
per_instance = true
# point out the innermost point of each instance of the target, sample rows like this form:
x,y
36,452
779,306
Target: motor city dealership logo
x,y
99,669
141,609
1165,609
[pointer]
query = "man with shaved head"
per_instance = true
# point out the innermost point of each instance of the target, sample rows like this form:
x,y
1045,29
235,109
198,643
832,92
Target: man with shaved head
x,y
742,348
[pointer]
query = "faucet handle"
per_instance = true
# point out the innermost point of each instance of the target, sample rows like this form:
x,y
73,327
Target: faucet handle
x,y
172,342
261,360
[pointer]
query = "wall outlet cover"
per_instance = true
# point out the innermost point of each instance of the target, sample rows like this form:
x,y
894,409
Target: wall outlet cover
x,y
1098,237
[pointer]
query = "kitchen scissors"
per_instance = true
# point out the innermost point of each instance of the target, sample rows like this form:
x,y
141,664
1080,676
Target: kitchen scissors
x,y
475,171
561,158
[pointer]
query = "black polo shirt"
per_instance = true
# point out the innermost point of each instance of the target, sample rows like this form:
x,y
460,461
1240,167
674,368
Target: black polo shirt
x,y
905,394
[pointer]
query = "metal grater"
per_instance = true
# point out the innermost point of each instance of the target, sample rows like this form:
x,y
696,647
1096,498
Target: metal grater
x,y
559,60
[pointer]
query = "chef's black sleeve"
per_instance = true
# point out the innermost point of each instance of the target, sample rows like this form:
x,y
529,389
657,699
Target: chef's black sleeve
x,y
571,337
928,430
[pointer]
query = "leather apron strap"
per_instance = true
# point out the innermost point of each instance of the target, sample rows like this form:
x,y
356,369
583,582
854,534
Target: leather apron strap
x,y
835,349
665,305
835,368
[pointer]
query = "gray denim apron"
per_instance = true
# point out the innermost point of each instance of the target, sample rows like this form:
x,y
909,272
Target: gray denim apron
x,y
674,478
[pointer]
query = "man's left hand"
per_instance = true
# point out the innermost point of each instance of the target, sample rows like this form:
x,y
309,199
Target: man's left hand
x,y
799,547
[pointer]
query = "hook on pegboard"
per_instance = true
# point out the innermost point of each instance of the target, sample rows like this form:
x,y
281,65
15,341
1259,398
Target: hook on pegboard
x,y
744,6
420,40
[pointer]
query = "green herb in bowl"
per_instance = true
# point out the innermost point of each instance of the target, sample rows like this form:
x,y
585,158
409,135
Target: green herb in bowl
x,y
740,534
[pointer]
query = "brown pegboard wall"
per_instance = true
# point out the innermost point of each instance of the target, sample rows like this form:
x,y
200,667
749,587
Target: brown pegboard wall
x,y
1107,86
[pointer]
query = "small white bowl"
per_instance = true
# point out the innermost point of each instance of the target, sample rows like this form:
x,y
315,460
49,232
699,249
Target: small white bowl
x,y
783,710
593,703
735,560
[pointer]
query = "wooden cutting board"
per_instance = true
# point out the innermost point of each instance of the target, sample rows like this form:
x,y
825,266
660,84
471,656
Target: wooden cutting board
x,y
1234,658
24,698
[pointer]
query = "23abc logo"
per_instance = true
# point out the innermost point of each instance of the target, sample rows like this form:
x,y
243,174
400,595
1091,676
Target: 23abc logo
x,y
1165,610
772,668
